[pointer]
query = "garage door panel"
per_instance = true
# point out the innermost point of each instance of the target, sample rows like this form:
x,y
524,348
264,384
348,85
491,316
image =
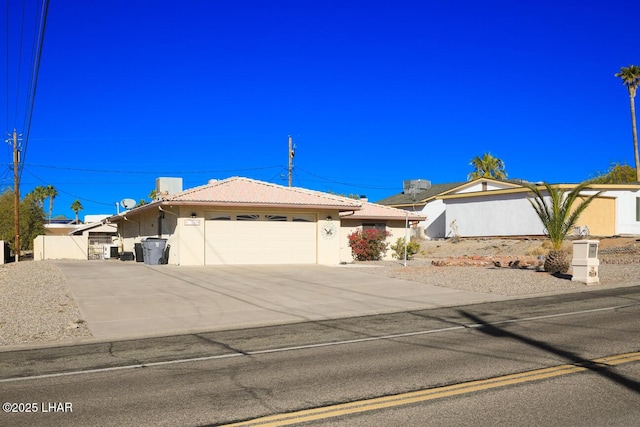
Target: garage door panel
x,y
260,242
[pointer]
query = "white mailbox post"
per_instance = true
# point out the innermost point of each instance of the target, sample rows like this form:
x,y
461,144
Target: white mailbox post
x,y
585,261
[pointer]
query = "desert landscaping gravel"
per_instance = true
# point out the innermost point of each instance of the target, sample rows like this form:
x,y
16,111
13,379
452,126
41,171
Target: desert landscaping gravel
x,y
500,281
36,306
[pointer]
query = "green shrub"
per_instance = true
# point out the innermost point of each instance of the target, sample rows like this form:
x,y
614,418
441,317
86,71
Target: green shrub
x,y
368,245
413,248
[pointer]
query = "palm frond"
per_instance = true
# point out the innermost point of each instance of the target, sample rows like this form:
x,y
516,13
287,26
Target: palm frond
x,y
558,215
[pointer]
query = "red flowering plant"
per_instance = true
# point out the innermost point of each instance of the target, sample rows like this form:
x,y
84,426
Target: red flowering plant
x,y
368,245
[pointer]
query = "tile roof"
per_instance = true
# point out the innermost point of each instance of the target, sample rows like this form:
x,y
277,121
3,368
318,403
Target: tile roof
x,y
239,191
376,211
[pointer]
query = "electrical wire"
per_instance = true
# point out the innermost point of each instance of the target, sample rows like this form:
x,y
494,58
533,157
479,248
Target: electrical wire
x,y
138,172
35,72
371,187
69,194
15,116
6,26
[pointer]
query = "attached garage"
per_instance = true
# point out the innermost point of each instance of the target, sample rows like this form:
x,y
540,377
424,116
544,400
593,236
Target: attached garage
x,y
260,238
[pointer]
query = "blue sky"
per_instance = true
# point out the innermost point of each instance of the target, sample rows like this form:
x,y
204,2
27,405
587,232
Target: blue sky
x,y
372,92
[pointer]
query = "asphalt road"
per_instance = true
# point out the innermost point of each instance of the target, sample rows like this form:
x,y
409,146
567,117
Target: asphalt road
x,y
472,351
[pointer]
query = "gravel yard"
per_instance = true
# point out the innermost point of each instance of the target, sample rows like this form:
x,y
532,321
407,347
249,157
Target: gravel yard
x,y
500,281
36,306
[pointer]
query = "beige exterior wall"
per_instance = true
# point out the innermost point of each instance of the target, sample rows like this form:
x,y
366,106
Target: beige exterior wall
x,y
196,239
60,247
328,241
3,254
190,233
148,224
395,227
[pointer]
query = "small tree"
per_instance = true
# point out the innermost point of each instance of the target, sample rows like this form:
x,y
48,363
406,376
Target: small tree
x,y
31,219
558,216
368,245
616,174
413,248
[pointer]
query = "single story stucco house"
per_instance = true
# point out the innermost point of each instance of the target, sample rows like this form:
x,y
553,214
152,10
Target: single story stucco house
x,y
487,207
508,212
426,201
246,221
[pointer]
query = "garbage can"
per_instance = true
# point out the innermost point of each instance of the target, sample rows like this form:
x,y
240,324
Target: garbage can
x,y
153,249
139,252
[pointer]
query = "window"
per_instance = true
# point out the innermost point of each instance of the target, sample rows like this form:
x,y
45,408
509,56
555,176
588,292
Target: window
x,y
302,218
637,208
275,217
247,217
221,217
377,226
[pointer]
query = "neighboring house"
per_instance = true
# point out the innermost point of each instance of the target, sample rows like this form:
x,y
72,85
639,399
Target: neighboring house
x,y
84,241
487,207
399,223
508,212
426,202
60,227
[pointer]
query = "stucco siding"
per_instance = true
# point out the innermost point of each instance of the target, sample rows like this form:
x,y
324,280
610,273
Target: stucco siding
x,y
190,236
513,215
626,220
499,215
396,228
434,226
60,247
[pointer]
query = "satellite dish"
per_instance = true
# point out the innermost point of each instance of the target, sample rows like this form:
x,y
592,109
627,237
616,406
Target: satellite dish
x,y
127,203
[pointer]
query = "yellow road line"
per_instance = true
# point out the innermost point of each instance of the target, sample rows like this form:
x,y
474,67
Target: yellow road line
x,y
434,393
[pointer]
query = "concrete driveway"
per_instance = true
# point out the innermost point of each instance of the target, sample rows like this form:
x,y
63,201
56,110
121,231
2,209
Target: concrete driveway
x,y
126,299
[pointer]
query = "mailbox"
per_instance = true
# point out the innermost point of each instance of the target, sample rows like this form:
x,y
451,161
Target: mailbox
x,y
585,261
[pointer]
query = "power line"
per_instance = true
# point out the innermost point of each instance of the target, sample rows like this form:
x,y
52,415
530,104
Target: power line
x,y
19,62
69,194
138,172
350,184
35,72
6,26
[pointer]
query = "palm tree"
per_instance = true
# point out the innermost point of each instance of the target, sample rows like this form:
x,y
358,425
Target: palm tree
x,y
487,166
558,216
631,79
40,194
51,193
76,206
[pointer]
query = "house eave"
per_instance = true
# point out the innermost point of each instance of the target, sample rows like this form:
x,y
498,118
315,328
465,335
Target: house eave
x,y
242,205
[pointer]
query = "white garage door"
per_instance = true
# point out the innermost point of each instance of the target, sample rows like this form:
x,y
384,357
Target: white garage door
x,y
248,238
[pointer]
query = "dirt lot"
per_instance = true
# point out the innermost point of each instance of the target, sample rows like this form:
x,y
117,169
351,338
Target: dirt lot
x,y
614,250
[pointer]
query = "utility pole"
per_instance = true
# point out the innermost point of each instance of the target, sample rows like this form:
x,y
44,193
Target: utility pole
x,y
291,154
16,195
